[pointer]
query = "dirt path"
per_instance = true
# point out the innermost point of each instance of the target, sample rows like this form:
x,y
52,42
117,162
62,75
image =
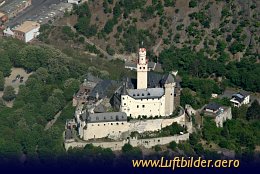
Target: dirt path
x,y
50,123
109,57
155,50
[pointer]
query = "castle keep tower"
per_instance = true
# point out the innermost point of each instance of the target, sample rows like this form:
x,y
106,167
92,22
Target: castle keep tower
x,y
142,68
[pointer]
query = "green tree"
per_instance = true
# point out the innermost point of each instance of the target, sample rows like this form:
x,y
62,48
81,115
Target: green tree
x,y
31,58
157,148
9,93
71,86
2,81
42,74
194,139
68,31
5,65
108,28
221,45
110,50
236,47
169,3
193,3
172,145
253,111
131,152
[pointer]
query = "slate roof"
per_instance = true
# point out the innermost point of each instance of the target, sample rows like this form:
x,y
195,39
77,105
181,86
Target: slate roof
x,y
213,106
240,96
146,93
154,79
168,78
102,88
100,108
104,117
68,134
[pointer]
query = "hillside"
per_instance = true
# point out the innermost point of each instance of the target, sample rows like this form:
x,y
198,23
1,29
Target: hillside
x,y
214,39
230,27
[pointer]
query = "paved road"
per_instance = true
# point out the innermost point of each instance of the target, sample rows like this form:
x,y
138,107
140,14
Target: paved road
x,y
37,5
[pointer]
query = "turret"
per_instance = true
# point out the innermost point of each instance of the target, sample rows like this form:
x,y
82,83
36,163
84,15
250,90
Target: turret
x,y
142,68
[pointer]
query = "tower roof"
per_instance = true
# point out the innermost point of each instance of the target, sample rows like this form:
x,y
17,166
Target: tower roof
x,y
168,78
124,92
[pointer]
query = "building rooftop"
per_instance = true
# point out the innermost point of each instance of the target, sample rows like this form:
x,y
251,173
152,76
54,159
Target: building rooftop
x,y
27,26
168,78
2,14
213,106
100,108
146,93
240,96
103,89
104,117
154,79
68,134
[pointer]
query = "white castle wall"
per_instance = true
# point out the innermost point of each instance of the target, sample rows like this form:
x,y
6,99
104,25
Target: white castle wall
x,y
104,129
221,118
117,145
134,107
115,129
155,124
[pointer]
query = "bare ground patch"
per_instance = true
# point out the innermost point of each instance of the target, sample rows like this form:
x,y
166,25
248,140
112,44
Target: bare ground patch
x,y
15,82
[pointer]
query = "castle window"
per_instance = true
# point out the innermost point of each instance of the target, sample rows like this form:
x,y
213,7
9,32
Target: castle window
x,y
137,106
142,94
143,67
171,93
111,123
123,98
137,94
104,124
148,93
143,106
133,94
140,67
117,123
98,124
122,123
124,103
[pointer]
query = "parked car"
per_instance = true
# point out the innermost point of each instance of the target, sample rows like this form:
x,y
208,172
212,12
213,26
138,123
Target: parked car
x,y
18,77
